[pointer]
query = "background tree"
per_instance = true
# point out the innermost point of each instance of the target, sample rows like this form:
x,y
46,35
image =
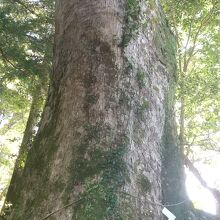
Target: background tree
x,y
26,51
196,27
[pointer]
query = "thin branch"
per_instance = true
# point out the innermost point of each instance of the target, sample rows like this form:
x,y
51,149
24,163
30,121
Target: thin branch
x,y
187,42
26,7
196,173
7,60
203,23
189,145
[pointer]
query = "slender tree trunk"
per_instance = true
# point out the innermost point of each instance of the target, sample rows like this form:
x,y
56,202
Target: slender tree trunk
x,y
98,151
33,118
182,114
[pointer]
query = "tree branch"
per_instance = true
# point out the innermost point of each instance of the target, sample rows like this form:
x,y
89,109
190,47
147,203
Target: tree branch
x,y
26,7
196,173
7,60
203,23
187,42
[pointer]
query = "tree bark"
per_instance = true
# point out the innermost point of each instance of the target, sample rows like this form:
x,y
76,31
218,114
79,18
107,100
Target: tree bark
x,y
98,152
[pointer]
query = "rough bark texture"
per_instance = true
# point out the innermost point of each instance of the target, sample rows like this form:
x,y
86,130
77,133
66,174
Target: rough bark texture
x,y
104,127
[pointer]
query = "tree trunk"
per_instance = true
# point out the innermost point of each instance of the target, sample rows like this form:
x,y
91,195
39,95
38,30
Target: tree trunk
x,y
33,119
100,140
98,151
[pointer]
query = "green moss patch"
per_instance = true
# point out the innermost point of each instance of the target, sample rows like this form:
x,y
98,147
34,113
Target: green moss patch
x,y
131,20
144,183
101,171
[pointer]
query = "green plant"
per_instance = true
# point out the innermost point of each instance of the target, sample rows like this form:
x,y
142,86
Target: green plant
x,y
132,21
141,78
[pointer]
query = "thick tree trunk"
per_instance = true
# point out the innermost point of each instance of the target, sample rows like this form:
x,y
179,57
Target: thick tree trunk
x,y
99,143
108,118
